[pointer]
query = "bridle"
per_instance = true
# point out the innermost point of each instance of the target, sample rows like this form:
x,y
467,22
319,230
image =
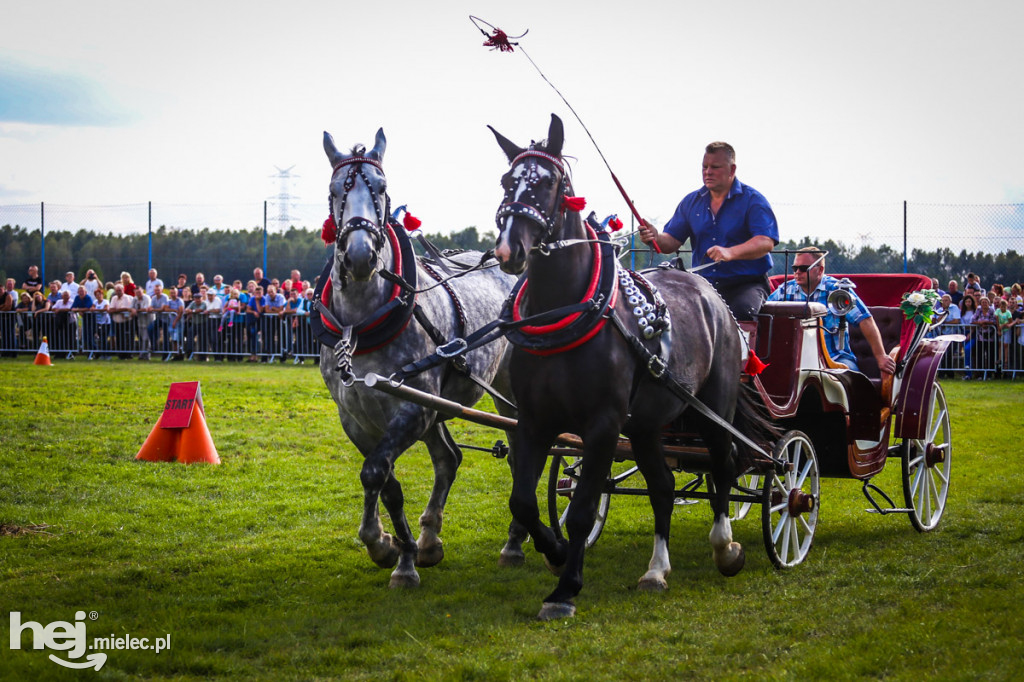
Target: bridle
x,y
376,229
526,206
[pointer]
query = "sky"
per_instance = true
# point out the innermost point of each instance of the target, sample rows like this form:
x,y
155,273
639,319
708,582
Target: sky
x,y
829,105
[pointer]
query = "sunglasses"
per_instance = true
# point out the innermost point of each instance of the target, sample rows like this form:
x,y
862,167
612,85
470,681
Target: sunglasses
x,y
802,268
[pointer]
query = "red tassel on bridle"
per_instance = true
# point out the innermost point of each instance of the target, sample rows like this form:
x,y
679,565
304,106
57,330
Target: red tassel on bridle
x,y
330,231
410,222
615,224
575,204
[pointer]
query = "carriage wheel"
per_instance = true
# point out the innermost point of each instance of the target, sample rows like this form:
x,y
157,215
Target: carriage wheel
x,y
738,510
926,463
562,480
789,504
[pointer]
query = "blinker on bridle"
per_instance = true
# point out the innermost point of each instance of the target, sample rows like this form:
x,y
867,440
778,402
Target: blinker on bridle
x,y
528,209
355,169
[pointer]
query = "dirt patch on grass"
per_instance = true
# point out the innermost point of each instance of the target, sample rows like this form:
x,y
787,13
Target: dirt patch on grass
x,y
14,530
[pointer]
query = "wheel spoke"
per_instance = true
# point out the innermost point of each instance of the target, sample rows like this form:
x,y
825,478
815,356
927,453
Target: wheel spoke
x,y
803,474
784,553
783,518
937,424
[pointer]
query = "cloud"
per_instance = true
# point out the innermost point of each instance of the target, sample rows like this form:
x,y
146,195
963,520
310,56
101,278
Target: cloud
x,y
45,97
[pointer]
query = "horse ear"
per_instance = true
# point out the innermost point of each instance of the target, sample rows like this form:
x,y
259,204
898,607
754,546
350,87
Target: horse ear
x,y
508,146
380,143
333,155
556,136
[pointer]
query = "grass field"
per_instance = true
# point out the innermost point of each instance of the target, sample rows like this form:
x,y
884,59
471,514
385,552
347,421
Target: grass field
x,y
254,570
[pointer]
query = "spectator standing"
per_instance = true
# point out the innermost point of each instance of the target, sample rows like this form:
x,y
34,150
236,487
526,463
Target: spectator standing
x,y
969,306
194,319
953,289
253,312
985,324
173,311
33,283
1004,319
101,308
263,282
141,304
153,282
973,283
54,294
70,285
65,323
83,306
214,308
91,283
128,285
8,320
273,333
158,321
23,320
219,288
120,319
181,285
198,286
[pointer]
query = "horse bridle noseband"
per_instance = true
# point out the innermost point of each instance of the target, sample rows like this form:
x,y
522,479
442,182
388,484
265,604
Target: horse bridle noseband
x,y
522,209
355,168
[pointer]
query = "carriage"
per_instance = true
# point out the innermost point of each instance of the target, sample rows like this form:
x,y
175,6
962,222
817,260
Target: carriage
x,y
835,423
609,366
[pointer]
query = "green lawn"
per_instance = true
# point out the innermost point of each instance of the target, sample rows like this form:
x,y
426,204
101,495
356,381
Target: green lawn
x,y
255,571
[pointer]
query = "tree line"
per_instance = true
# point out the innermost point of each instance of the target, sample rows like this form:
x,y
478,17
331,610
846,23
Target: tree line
x,y
234,254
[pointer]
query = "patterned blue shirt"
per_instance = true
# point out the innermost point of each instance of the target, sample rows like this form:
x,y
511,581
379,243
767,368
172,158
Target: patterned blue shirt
x,y
791,291
744,214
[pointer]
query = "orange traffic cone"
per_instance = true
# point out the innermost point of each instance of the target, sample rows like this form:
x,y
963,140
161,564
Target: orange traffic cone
x,y
181,435
196,443
43,356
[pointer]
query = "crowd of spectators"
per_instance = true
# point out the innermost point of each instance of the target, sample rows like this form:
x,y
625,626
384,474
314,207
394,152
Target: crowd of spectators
x,y
259,319
992,321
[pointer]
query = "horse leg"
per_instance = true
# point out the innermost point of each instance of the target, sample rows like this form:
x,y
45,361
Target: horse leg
x,y
728,555
379,483
512,553
527,467
598,452
446,458
650,459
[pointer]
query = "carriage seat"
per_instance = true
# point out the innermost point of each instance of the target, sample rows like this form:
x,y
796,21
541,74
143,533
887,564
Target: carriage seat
x,y
890,323
802,310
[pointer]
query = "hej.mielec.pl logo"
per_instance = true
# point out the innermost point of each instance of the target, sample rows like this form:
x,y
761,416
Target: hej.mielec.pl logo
x,y
72,639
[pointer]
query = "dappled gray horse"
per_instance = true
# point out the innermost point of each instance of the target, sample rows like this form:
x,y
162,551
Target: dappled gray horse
x,y
378,323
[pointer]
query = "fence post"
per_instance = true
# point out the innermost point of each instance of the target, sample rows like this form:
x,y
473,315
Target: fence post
x,y
905,237
149,223
264,237
42,242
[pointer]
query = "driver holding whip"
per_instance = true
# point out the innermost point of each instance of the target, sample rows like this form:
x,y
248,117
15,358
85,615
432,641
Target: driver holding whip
x,y
732,230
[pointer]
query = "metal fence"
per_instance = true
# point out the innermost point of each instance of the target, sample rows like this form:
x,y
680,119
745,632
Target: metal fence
x,y
888,232
986,353
268,337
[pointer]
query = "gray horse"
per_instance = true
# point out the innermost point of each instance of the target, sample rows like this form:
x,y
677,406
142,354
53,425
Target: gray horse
x,y
378,332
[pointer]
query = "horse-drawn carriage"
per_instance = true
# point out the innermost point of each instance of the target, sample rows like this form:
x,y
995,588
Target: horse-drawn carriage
x,y
611,366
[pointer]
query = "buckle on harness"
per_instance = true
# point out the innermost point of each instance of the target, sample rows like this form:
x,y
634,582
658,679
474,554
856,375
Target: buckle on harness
x,y
656,366
452,348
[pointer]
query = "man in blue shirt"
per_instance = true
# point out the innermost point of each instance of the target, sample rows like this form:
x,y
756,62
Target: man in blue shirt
x,y
810,283
731,228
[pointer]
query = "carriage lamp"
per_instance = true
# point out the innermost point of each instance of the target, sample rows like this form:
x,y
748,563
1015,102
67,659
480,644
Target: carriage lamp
x,y
840,302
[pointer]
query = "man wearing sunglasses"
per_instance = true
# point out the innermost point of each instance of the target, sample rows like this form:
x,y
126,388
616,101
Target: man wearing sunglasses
x,y
810,283
731,228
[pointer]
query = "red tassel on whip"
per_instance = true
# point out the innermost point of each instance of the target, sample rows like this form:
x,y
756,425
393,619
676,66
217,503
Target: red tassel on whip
x,y
411,222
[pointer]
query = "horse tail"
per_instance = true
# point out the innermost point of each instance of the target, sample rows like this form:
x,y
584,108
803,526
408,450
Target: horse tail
x,y
754,422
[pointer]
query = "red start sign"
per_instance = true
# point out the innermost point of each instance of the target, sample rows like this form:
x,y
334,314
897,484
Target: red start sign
x,y
182,399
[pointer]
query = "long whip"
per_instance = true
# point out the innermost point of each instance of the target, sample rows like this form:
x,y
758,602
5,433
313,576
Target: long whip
x,y
499,40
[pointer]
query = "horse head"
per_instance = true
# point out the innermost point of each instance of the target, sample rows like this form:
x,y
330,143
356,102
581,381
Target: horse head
x,y
532,212
359,206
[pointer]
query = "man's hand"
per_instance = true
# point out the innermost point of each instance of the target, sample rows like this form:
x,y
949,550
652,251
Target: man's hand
x,y
885,364
720,253
647,232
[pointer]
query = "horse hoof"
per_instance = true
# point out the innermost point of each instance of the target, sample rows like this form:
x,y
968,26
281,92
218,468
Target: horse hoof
x,y
404,579
733,561
653,584
556,570
430,556
385,552
556,610
511,559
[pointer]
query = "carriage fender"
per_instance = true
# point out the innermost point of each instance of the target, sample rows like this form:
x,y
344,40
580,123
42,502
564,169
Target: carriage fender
x,y
917,387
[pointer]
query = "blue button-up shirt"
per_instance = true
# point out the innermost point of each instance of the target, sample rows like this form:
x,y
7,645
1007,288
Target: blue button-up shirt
x,y
791,291
745,213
